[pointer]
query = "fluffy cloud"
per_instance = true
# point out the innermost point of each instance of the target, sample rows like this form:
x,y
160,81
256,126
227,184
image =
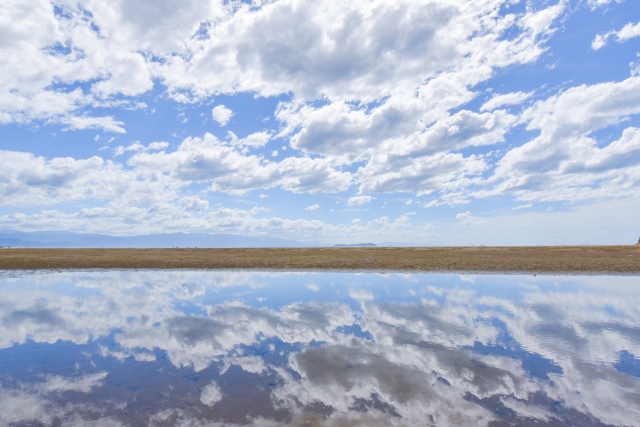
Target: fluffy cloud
x,y
348,50
596,3
565,162
27,180
209,159
358,200
374,95
45,47
136,146
399,136
468,219
194,204
221,114
423,175
628,32
513,98
257,139
155,175
343,52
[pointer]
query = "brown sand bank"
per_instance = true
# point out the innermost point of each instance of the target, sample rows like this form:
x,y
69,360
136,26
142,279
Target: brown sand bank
x,y
541,259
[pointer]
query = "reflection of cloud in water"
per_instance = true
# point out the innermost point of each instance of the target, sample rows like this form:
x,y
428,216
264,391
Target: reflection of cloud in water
x,y
211,394
360,294
357,376
40,403
198,341
562,355
84,384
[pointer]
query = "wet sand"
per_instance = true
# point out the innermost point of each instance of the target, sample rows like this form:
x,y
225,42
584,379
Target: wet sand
x,y
536,259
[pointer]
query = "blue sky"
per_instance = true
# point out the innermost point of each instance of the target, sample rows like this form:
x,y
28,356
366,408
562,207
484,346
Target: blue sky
x,y
409,122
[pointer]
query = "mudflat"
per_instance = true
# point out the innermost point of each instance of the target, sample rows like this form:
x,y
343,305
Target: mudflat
x,y
532,259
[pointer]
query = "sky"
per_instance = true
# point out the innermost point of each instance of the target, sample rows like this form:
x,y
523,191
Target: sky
x,y
442,122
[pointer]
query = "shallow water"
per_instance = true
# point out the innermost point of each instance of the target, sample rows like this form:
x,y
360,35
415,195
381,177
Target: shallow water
x,y
254,348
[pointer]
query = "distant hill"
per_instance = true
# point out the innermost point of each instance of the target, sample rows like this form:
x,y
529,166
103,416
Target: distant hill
x,y
62,239
356,244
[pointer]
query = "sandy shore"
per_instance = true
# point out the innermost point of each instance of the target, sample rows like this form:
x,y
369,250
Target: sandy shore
x,y
538,259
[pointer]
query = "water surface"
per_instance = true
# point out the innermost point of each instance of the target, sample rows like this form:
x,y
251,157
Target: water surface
x,y
160,348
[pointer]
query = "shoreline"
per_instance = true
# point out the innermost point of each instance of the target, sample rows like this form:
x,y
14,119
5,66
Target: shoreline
x,y
528,260
15,273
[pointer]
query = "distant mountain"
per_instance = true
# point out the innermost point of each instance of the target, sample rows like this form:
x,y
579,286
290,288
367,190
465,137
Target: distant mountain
x,y
63,239
356,244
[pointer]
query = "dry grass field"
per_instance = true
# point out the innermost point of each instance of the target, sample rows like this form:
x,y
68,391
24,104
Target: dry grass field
x,y
538,259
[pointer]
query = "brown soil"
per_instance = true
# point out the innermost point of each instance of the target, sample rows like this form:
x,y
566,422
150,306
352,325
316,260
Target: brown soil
x,y
549,259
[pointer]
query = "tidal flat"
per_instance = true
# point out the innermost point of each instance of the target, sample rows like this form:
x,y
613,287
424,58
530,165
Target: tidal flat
x,y
531,259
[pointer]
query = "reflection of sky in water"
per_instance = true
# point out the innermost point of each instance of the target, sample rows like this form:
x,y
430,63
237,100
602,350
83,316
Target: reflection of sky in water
x,y
254,348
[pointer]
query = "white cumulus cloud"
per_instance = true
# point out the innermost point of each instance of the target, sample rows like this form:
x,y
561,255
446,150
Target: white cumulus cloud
x,y
513,98
371,96
565,162
358,200
628,32
221,114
